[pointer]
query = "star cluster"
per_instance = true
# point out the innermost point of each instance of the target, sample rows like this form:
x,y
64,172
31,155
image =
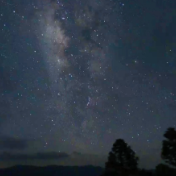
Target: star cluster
x,y
76,75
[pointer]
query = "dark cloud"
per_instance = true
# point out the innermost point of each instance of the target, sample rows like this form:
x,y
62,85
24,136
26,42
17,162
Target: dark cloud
x,y
76,153
12,143
36,156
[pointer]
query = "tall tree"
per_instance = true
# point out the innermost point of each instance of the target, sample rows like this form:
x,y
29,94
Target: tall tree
x,y
122,159
169,147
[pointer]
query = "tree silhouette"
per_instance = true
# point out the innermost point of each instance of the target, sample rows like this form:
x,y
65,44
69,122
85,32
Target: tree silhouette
x,y
122,159
163,169
169,147
144,172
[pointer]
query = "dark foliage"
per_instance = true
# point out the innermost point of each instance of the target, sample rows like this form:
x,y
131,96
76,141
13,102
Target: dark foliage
x,y
169,147
144,172
164,170
122,159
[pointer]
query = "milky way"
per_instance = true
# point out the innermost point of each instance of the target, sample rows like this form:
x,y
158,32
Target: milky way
x,y
76,55
78,74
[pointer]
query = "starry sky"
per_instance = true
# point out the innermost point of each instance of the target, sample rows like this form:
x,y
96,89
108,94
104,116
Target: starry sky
x,y
75,75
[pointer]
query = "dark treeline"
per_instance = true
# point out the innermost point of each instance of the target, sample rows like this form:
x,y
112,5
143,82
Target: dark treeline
x,y
123,161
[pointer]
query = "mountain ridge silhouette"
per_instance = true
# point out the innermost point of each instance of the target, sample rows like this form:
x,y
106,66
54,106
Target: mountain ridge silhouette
x,y
51,170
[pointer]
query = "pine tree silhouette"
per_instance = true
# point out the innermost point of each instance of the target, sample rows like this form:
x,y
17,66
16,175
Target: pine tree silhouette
x,y
122,159
169,147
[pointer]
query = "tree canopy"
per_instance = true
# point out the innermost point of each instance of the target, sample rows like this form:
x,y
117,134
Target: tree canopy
x,y
169,147
121,158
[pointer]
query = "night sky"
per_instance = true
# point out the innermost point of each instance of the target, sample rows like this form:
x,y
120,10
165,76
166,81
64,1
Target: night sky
x,y
75,75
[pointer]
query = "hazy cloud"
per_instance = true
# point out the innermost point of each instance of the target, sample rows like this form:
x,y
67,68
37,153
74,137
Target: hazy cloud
x,y
12,143
35,156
